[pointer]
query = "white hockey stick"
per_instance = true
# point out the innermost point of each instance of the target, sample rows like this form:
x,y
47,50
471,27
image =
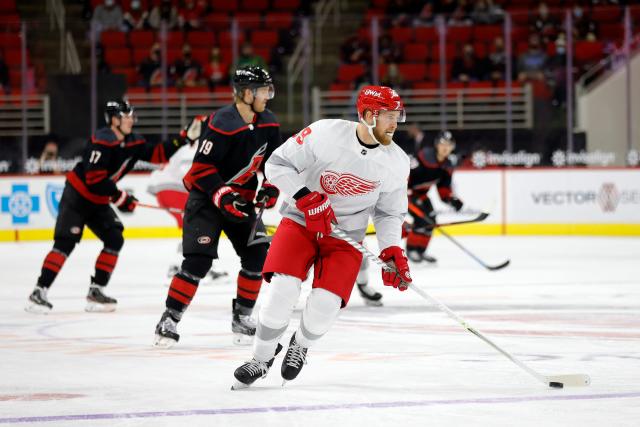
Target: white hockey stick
x,y
555,381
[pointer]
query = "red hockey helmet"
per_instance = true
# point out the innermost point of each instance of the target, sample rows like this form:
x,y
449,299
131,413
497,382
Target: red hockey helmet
x,y
378,98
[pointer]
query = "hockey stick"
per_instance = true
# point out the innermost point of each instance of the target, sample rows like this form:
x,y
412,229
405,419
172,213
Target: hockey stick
x,y
555,381
421,214
169,209
264,239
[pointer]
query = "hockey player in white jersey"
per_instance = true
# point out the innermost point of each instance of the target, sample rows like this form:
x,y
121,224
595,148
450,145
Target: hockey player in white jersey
x,y
166,185
334,173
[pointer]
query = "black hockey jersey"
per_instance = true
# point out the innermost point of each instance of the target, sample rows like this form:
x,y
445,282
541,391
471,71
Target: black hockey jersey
x,y
106,160
428,172
230,152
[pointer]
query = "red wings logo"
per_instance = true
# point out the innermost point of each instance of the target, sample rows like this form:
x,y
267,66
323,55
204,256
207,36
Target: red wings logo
x,y
346,184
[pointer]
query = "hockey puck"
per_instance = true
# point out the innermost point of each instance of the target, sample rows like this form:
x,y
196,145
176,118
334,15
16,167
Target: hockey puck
x,y
555,384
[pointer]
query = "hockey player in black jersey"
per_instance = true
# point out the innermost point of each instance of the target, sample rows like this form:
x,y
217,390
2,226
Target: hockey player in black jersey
x,y
89,188
434,167
234,144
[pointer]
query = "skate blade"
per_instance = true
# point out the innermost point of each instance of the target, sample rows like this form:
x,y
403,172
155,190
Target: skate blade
x,y
242,339
239,386
163,342
36,309
95,307
372,303
284,382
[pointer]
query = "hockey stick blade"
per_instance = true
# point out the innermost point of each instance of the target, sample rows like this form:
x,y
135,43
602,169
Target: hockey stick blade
x,y
568,380
168,209
499,266
419,212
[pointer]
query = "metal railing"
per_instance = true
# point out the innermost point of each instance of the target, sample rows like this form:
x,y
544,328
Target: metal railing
x,y
176,110
36,114
468,108
323,11
298,62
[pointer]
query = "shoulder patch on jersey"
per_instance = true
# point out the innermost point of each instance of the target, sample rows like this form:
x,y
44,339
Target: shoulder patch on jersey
x,y
227,121
105,136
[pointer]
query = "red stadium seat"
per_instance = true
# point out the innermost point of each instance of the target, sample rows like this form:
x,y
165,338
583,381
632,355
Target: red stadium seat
x,y
113,39
264,52
430,86
173,54
10,40
450,50
201,55
224,38
223,90
175,39
434,71
459,34
519,34
412,72
249,20
225,5
485,87
586,51
13,58
416,52
480,49
487,32
286,4
349,72
201,39
130,74
141,39
217,21
612,32
426,34
7,7
455,89
606,14
118,57
255,5
140,55
278,20
401,35
265,38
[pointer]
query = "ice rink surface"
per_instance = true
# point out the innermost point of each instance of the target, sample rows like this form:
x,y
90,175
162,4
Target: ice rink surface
x,y
565,305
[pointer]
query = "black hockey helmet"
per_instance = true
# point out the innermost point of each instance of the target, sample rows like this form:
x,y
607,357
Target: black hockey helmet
x,y
252,77
444,137
117,108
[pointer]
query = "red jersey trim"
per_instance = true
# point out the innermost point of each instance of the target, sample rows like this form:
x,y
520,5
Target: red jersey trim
x,y
136,142
80,186
103,142
264,125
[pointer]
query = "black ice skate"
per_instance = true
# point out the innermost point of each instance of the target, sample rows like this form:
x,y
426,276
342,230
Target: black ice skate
x,y
38,302
98,302
416,256
370,296
242,325
293,361
166,330
252,370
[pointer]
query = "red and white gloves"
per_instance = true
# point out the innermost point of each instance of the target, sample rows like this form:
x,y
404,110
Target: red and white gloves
x,y
231,204
318,213
191,133
398,276
267,195
124,201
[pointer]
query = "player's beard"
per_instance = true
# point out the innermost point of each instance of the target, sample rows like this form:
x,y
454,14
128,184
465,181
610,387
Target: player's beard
x,y
382,136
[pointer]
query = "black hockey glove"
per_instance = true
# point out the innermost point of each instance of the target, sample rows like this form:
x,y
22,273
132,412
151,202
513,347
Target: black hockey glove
x,y
455,203
125,202
191,133
231,204
267,195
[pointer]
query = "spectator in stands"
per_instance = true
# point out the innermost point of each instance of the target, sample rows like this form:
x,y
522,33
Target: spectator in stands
x,y
163,12
49,154
136,18
459,17
543,23
389,52
216,72
446,7
468,67
393,78
557,66
583,27
4,74
186,71
497,61
248,58
150,68
531,64
401,12
415,137
354,51
426,16
486,13
107,16
190,15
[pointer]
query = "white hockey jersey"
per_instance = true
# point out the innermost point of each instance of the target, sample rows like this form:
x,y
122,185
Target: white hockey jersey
x,y
359,181
169,177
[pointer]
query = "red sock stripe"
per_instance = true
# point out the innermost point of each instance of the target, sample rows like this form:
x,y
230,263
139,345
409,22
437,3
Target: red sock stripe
x,y
182,287
106,261
54,261
248,288
179,297
419,240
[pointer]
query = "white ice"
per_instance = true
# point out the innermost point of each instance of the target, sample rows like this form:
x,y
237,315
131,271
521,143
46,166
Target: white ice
x,y
565,305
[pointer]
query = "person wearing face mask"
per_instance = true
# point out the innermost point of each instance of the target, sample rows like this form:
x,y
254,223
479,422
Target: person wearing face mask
x,y
89,190
136,18
149,70
223,191
164,12
186,71
108,16
334,173
216,71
